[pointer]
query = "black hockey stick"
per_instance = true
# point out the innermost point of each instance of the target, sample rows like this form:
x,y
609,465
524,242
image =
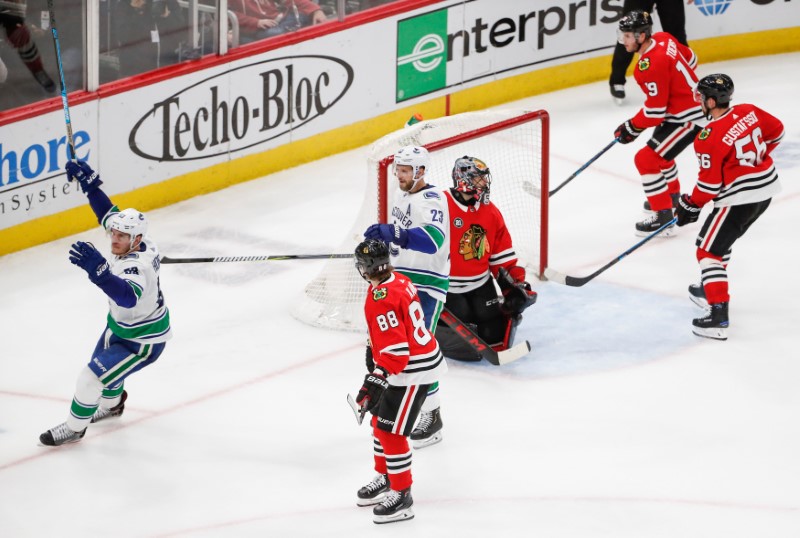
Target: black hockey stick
x,y
64,102
577,281
497,358
219,259
584,167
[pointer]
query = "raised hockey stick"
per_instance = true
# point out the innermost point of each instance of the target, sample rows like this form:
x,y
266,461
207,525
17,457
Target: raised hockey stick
x,y
576,281
498,358
358,410
220,259
64,102
584,167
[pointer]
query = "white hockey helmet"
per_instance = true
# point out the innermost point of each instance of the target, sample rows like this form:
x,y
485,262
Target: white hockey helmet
x,y
129,221
414,156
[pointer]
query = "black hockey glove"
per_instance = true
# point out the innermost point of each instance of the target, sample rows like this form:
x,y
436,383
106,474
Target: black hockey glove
x,y
372,390
517,294
88,258
686,212
84,175
370,360
627,132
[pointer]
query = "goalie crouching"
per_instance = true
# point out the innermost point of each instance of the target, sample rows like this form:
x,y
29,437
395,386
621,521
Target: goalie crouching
x,y
481,253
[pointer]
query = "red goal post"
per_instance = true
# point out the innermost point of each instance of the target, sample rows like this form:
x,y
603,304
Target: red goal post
x,y
515,146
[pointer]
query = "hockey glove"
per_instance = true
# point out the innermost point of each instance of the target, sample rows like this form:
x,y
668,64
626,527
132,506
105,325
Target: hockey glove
x,y
686,212
388,233
517,294
372,390
627,132
88,258
84,175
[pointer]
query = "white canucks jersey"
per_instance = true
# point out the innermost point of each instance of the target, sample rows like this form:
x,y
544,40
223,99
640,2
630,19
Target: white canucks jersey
x,y
147,321
427,211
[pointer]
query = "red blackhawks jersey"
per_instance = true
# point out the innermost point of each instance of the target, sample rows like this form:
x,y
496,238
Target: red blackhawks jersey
x,y
665,72
479,244
401,343
734,155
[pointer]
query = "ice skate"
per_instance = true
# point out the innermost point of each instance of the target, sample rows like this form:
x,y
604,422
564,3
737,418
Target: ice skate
x,y
116,411
698,295
714,324
618,93
654,222
61,435
429,429
374,492
395,507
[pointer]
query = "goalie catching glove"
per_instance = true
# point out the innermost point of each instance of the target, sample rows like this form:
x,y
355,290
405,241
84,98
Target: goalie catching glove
x,y
627,132
517,293
687,211
372,390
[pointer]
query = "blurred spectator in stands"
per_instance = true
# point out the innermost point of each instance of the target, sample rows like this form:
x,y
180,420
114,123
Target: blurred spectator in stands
x,y
172,28
70,24
138,48
260,19
12,18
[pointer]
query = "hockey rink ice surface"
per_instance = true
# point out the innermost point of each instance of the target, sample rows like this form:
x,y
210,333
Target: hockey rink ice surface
x,y
620,423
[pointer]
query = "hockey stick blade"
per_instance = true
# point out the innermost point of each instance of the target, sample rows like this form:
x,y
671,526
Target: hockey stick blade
x,y
358,410
224,259
577,282
474,341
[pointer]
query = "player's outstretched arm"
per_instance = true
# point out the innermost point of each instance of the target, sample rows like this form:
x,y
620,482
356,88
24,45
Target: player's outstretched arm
x,y
88,258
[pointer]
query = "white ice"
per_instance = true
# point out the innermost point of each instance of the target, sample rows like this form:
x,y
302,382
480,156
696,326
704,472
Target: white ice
x,y
619,424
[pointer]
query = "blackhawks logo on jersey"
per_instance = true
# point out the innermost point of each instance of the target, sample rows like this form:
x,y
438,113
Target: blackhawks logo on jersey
x,y
473,245
705,133
379,293
644,64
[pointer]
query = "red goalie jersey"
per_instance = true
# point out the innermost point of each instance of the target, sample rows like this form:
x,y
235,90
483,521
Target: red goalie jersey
x,y
665,72
401,343
479,244
734,156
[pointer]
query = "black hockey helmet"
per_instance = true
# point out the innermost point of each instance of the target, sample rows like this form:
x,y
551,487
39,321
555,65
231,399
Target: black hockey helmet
x,y
717,86
372,258
466,170
636,21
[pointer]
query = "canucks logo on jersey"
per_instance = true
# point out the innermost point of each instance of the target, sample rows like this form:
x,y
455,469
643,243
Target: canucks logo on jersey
x,y
644,64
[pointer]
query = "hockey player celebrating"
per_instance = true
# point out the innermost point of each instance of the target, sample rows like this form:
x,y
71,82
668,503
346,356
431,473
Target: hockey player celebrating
x,y
482,252
406,360
138,321
420,249
665,72
738,176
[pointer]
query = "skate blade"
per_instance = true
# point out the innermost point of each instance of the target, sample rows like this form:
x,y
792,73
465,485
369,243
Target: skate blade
x,y
715,333
432,440
402,515
619,101
669,232
370,502
699,301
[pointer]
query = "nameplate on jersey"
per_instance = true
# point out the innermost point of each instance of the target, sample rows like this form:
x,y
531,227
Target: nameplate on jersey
x,y
379,293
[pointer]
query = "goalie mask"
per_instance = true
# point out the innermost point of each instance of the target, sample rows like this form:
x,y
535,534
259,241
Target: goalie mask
x,y
129,221
471,176
372,258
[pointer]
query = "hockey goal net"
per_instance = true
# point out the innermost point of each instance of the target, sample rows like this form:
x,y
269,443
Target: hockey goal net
x,y
513,143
